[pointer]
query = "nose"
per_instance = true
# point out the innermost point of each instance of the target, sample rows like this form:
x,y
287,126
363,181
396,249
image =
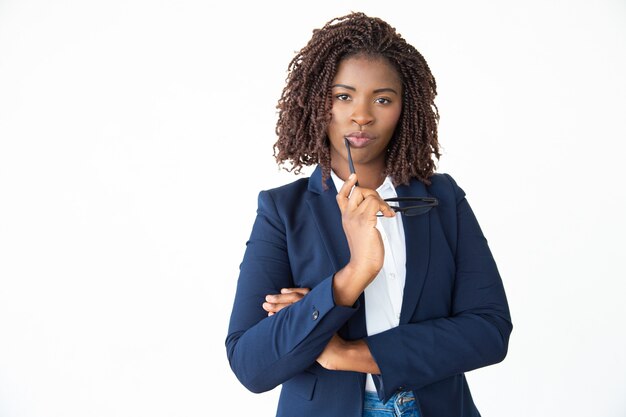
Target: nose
x,y
362,115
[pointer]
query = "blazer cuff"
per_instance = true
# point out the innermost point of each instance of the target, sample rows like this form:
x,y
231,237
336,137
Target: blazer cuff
x,y
318,313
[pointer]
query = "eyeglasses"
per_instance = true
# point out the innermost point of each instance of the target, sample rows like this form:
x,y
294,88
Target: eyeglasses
x,y
407,206
417,205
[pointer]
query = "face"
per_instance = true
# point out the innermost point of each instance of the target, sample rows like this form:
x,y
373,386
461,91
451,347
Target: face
x,y
367,102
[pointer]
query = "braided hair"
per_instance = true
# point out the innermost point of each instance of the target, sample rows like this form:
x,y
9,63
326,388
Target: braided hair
x,y
304,108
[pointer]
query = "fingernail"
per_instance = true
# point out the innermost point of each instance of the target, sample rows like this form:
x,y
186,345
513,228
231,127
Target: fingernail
x,y
351,176
269,298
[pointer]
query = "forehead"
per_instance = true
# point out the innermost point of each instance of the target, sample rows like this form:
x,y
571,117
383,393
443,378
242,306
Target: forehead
x,y
367,71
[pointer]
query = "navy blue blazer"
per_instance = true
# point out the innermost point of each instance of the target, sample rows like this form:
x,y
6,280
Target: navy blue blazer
x,y
454,315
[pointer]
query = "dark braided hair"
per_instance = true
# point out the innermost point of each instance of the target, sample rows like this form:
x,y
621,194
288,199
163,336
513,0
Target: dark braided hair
x,y
306,101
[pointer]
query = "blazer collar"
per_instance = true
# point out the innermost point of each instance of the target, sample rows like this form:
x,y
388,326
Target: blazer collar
x,y
315,182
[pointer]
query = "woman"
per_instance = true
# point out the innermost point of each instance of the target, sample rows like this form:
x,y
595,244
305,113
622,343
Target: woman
x,y
401,304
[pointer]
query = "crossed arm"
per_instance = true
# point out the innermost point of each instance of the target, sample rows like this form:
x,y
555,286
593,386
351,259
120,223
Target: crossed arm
x,y
358,208
473,334
339,354
266,353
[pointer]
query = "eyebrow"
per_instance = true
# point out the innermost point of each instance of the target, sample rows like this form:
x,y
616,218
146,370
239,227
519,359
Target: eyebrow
x,y
378,90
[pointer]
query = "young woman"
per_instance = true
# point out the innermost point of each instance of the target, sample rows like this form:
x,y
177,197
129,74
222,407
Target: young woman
x,y
360,306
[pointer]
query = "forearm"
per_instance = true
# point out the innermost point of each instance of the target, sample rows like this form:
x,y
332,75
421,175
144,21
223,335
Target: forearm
x,y
349,283
275,348
433,350
261,367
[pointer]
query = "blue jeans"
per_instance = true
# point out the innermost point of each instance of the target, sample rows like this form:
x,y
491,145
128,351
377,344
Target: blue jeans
x,y
402,404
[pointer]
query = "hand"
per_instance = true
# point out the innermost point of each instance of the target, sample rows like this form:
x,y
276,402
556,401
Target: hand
x,y
333,353
276,302
359,207
346,355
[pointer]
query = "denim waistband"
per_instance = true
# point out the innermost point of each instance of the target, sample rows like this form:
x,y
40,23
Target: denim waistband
x,y
402,404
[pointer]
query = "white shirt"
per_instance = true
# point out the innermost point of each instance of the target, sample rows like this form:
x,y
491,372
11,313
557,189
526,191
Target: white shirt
x,y
383,297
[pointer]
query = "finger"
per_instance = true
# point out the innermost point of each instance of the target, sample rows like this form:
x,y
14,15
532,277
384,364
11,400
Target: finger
x,y
387,211
383,206
359,195
270,307
344,193
356,198
291,297
302,291
275,307
373,204
348,185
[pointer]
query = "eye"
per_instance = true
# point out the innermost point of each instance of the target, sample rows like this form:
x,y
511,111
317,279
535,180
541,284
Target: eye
x,y
382,100
342,97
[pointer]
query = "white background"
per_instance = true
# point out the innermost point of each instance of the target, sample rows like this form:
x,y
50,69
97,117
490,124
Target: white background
x,y
135,136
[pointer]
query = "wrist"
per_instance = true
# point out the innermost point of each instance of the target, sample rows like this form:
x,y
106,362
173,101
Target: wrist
x,y
362,273
348,284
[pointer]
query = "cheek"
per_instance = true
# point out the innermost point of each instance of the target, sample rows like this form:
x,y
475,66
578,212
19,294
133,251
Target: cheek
x,y
335,114
398,112
392,118
335,117
331,127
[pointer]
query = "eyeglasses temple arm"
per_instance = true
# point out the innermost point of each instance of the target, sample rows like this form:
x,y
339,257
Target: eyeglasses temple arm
x,y
352,171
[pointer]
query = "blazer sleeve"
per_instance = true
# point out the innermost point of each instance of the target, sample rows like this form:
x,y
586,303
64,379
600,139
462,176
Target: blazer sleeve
x,y
475,334
266,351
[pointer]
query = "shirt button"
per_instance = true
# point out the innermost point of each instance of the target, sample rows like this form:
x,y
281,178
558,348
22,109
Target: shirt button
x,y
392,275
315,314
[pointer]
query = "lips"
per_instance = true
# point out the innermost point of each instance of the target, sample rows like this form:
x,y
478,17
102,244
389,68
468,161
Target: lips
x,y
359,139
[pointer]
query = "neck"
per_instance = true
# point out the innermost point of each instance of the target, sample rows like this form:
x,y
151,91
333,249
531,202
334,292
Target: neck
x,y
367,176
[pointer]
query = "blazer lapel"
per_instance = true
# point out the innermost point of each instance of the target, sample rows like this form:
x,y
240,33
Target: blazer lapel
x,y
417,237
327,217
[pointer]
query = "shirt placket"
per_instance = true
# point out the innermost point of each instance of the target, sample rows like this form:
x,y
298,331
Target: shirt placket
x,y
391,274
